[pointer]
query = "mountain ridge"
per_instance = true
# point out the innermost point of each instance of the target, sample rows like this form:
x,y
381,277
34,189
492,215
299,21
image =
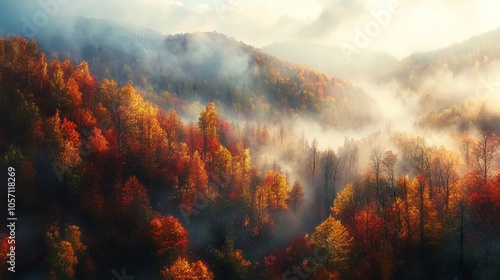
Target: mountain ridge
x,y
204,67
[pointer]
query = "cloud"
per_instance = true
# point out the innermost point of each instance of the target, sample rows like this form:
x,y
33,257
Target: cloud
x,y
334,16
427,25
422,25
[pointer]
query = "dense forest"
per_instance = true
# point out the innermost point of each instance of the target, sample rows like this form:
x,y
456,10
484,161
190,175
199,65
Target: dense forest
x,y
114,176
207,66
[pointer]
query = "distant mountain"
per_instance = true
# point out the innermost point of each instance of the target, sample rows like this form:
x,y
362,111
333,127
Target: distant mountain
x,y
205,67
454,84
478,51
332,61
461,53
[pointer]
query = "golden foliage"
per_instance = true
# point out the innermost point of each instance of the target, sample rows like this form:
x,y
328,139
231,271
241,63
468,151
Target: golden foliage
x,y
182,269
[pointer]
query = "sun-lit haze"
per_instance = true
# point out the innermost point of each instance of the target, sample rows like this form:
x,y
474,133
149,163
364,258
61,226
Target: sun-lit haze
x,y
421,25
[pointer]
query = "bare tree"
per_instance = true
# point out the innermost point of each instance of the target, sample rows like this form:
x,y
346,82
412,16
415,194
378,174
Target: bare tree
x,y
313,155
376,159
466,143
349,157
421,162
376,164
485,151
444,173
296,197
326,193
389,161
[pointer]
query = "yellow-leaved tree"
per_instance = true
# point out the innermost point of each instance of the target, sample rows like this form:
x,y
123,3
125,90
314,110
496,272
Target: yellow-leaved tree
x,y
182,269
63,251
334,239
277,187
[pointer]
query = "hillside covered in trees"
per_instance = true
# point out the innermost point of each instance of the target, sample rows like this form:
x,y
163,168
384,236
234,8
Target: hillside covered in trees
x,y
200,67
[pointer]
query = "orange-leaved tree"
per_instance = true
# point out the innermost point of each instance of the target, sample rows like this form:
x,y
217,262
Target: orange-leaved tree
x,y
182,269
207,124
169,238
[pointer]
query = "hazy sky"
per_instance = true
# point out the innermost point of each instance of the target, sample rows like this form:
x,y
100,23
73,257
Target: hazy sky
x,y
418,25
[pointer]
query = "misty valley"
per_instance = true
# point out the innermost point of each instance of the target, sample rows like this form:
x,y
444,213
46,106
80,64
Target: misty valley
x,y
139,155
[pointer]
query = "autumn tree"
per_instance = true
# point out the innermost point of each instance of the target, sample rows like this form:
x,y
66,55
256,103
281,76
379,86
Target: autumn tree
x,y
173,126
182,269
63,250
421,224
147,142
260,213
457,227
22,122
65,93
281,262
62,260
222,167
4,258
404,211
445,174
26,175
228,262
140,137
128,113
134,198
22,66
117,102
207,124
87,83
132,213
194,139
196,183
345,207
334,238
73,235
241,170
271,194
63,138
370,233
96,142
169,238
277,188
